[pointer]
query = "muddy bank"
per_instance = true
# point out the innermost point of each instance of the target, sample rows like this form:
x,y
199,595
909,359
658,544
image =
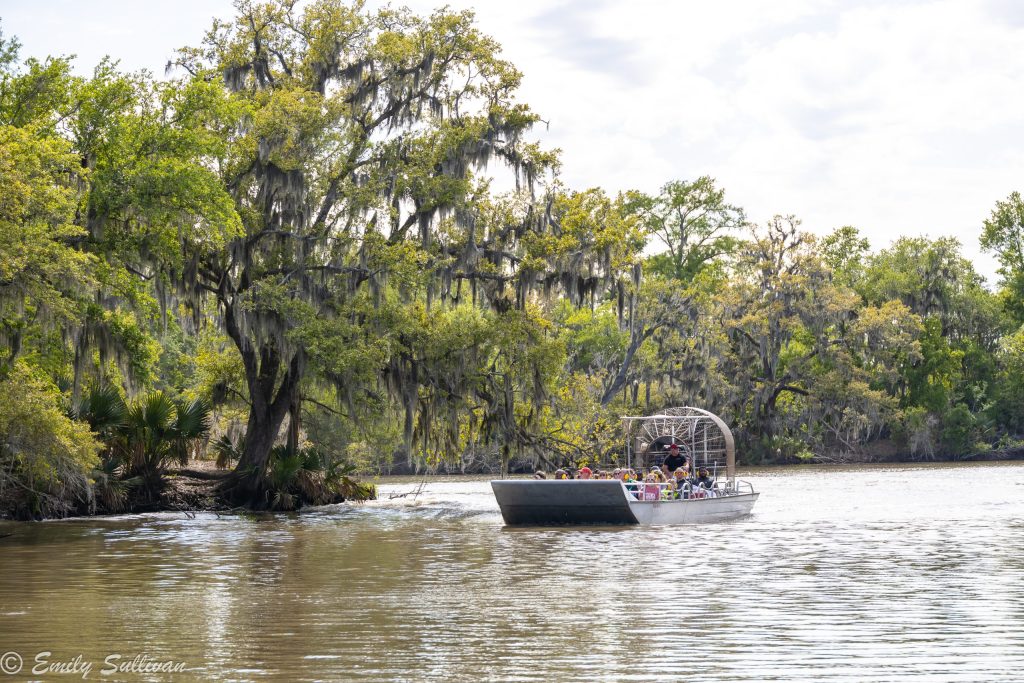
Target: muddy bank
x,y
195,488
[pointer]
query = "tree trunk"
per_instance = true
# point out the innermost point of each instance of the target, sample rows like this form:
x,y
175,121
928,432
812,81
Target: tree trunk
x,y
270,402
294,424
619,381
248,485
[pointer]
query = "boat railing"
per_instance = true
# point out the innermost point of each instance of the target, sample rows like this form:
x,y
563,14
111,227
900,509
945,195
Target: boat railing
x,y
738,487
651,491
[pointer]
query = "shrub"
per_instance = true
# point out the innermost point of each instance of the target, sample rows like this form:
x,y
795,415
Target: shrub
x,y
308,477
45,456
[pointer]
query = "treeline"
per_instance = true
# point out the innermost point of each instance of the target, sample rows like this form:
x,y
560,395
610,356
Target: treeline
x,y
289,256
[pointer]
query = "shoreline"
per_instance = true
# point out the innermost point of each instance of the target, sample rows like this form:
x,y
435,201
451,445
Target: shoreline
x,y
191,490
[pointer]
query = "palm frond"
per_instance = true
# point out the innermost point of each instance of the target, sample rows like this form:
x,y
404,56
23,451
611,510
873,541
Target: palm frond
x,y
193,419
103,408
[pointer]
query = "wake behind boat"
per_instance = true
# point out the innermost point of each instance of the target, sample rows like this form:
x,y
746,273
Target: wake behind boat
x,y
701,437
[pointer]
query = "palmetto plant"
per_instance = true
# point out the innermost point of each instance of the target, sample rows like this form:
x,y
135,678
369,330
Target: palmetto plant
x,y
191,425
141,439
110,489
309,476
227,451
104,409
156,431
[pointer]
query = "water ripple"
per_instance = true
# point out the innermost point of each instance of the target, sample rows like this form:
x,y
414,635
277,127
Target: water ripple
x,y
840,575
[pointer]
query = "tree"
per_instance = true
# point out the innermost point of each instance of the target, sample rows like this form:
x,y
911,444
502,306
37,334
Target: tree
x,y
810,367
932,278
693,221
44,277
1003,234
345,142
1008,406
844,251
779,317
59,301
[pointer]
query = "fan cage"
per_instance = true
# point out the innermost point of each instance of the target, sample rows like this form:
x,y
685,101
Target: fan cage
x,y
701,435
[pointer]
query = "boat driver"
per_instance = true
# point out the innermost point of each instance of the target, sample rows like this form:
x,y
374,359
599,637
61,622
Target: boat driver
x,y
674,459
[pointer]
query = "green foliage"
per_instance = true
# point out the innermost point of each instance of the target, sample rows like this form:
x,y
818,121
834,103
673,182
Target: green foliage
x,y
308,477
917,431
1003,233
43,277
932,381
693,221
845,252
45,457
959,431
155,432
225,451
297,231
1008,407
104,409
930,277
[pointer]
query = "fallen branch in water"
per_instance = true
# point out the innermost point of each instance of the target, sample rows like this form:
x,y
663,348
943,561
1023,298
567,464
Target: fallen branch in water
x,y
414,493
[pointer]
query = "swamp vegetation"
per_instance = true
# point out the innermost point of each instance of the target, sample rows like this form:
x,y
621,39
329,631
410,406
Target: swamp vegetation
x,y
324,243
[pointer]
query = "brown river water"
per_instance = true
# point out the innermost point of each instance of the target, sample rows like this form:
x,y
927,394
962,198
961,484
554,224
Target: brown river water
x,y
841,574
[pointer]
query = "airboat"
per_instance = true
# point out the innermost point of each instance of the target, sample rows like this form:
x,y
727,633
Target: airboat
x,y
700,435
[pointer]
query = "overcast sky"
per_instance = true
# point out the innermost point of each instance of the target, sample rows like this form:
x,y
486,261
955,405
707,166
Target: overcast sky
x,y
897,117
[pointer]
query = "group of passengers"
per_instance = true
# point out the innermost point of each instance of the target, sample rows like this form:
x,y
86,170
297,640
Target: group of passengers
x,y
674,479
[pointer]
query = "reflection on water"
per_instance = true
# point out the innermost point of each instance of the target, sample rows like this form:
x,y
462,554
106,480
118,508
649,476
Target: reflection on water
x,y
841,574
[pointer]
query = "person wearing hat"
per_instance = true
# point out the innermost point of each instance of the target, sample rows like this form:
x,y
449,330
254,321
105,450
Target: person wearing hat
x,y
585,472
681,476
674,459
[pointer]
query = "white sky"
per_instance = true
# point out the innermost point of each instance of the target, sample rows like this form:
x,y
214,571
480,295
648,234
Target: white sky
x,y
898,117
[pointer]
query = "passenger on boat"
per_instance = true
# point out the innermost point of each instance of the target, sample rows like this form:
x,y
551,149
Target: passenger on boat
x,y
657,478
650,491
539,474
704,481
632,485
668,492
682,485
585,472
561,474
673,459
704,478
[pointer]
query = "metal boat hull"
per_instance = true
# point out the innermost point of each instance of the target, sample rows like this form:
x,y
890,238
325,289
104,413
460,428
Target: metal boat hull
x,y
531,502
534,502
695,511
